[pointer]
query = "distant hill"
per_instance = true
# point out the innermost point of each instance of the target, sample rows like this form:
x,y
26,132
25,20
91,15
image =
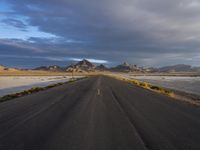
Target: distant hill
x,y
125,67
3,68
43,68
51,68
82,66
196,69
179,68
101,67
86,66
152,70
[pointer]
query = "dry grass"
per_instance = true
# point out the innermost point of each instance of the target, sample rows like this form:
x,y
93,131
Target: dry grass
x,y
47,73
27,73
146,85
38,73
161,90
153,87
34,90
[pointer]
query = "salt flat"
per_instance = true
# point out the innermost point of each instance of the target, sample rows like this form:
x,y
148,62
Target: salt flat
x,y
13,84
185,84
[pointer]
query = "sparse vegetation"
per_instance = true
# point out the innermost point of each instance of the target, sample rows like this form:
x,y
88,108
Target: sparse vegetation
x,y
27,92
34,90
177,95
152,87
146,85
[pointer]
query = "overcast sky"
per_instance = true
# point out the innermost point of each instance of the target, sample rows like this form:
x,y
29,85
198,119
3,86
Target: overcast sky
x,y
143,32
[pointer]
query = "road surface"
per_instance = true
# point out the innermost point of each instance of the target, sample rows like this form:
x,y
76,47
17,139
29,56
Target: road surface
x,y
98,113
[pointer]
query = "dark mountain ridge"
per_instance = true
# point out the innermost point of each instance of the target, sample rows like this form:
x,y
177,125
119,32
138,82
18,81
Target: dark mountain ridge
x,y
179,68
86,66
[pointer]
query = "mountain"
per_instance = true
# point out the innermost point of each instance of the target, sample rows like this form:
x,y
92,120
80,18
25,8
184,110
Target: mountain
x,y
177,68
196,69
3,68
85,64
43,68
81,66
50,68
152,70
101,67
56,68
125,67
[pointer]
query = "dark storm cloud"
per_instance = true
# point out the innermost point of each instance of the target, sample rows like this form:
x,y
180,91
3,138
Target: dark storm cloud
x,y
148,32
14,22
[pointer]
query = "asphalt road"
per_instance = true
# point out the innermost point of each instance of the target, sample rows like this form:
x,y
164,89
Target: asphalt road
x,y
98,113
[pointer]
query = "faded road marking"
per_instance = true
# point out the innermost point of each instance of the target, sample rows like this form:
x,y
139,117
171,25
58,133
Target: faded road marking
x,y
98,92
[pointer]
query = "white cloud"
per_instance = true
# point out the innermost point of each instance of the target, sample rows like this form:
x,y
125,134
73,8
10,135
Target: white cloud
x,y
98,61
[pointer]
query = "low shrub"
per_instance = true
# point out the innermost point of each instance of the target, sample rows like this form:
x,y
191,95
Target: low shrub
x,y
152,87
33,90
155,87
